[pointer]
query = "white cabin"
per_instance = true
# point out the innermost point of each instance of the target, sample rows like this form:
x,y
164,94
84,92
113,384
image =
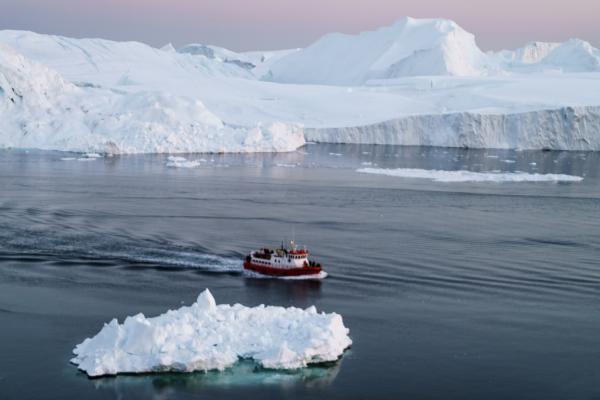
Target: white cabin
x,y
281,258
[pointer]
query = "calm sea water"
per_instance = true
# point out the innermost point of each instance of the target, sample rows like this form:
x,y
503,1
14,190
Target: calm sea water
x,y
450,290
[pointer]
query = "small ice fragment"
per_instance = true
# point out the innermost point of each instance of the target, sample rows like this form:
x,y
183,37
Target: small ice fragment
x,y
93,155
181,162
283,165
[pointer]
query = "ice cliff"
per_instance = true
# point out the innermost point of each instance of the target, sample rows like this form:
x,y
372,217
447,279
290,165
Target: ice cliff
x,y
568,128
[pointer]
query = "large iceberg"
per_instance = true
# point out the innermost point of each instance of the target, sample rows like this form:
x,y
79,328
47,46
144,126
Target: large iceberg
x,y
416,82
40,109
410,47
206,336
422,47
574,55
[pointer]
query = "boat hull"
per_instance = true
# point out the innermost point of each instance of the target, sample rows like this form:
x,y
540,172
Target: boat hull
x,y
271,271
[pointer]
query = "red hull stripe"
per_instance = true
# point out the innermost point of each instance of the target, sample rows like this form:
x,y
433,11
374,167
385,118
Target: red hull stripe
x,y
265,270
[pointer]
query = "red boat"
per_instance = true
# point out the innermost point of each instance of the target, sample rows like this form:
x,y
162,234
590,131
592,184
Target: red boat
x,y
282,262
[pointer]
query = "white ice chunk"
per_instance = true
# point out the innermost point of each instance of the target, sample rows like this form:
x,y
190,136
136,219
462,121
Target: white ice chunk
x,y
284,165
181,162
206,301
93,155
206,336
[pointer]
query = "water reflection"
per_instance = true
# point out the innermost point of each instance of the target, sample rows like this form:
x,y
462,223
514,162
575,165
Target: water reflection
x,y
244,374
298,293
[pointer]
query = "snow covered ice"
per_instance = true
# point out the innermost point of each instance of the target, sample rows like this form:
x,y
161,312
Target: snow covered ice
x,y
410,47
469,176
416,82
206,336
40,109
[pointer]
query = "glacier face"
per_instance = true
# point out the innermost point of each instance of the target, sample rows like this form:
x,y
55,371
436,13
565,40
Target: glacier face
x,y
417,82
568,128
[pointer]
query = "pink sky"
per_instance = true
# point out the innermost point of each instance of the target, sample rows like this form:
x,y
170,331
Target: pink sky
x,y
275,24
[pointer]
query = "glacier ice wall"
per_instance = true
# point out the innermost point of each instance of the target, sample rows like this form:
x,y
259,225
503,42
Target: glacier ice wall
x,y
566,128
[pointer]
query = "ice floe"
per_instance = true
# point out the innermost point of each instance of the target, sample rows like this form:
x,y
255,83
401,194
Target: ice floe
x,y
286,165
469,176
206,336
182,162
83,157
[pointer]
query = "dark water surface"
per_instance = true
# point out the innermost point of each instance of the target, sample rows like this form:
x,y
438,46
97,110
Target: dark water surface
x,y
450,290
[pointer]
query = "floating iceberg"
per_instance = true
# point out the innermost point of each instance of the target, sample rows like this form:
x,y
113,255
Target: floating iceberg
x,y
469,176
410,47
40,109
416,82
206,336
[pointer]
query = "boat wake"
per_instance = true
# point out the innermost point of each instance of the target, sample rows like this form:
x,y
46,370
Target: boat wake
x,y
208,262
69,247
